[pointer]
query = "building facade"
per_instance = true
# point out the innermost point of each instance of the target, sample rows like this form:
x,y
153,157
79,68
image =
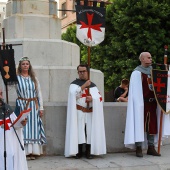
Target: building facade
x,y
66,12
2,15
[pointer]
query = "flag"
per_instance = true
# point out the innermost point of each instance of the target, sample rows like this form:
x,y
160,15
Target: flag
x,y
161,87
90,24
7,66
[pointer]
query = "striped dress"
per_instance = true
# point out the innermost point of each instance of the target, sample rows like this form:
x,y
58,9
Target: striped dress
x,y
33,131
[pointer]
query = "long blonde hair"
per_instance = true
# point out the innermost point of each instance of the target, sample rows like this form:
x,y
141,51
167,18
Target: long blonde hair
x,y
31,72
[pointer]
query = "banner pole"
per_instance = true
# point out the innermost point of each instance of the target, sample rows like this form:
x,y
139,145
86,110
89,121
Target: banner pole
x,y
89,62
160,132
161,116
88,89
3,45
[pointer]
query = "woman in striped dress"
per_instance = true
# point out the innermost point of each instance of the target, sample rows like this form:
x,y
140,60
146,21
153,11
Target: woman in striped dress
x,y
29,96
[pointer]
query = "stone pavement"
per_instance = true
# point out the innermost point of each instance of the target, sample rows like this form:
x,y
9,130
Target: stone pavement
x,y
111,161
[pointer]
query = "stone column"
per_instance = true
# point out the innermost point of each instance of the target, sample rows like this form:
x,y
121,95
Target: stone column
x,y
32,19
35,25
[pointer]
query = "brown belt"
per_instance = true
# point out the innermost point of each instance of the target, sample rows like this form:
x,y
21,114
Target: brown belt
x,y
28,101
83,109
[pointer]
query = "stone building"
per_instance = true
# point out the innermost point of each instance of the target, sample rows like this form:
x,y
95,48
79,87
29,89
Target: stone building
x,y
2,14
67,17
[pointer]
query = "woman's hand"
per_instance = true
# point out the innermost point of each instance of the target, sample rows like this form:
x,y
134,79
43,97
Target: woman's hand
x,y
24,122
41,113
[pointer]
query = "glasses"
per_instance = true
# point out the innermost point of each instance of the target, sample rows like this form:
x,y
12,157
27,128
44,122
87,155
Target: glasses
x,y
24,59
80,72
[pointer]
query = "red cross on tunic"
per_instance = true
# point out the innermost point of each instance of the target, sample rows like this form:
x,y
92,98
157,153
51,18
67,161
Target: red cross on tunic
x,y
159,85
90,26
85,94
6,123
100,97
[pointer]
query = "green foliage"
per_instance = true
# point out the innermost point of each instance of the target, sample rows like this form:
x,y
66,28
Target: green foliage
x,y
131,27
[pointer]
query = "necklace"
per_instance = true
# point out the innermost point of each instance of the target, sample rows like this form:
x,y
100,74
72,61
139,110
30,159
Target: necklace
x,y
24,75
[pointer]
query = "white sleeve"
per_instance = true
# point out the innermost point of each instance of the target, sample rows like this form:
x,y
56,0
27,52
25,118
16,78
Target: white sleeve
x,y
40,98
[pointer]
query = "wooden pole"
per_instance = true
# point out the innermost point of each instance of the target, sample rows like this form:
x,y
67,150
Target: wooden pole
x,y
160,132
89,62
88,89
3,45
161,116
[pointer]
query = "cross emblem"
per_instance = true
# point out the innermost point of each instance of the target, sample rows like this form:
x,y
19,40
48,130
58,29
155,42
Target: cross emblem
x,y
159,85
6,123
100,98
85,94
90,26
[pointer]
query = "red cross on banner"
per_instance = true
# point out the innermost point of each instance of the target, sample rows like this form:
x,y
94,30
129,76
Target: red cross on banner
x,y
6,123
90,24
159,85
161,88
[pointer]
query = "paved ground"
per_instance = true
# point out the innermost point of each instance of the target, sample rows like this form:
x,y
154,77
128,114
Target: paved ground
x,y
114,161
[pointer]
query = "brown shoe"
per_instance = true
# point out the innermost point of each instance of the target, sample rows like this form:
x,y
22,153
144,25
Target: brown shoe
x,y
139,151
151,151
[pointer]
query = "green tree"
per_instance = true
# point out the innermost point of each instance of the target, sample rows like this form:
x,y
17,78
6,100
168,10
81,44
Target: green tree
x,y
131,27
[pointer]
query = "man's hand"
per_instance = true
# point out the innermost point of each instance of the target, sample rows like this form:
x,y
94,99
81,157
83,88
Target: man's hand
x,y
24,122
86,84
88,99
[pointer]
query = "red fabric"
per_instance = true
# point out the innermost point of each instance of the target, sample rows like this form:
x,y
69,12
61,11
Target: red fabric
x,y
150,118
6,123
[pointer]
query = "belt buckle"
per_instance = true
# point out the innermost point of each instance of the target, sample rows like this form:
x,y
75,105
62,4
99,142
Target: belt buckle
x,y
151,99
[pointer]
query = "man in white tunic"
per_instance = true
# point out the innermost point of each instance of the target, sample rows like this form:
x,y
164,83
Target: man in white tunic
x,y
15,156
142,119
85,119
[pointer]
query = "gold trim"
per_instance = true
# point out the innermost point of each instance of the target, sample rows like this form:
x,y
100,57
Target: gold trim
x,y
155,92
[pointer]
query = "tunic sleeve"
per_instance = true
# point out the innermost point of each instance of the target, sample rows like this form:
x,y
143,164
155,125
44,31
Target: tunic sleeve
x,y
40,98
78,92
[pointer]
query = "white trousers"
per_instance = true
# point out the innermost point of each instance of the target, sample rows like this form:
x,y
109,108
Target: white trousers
x,y
82,120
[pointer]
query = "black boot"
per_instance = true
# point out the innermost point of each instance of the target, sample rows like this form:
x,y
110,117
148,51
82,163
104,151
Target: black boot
x,y
80,151
151,151
139,151
88,155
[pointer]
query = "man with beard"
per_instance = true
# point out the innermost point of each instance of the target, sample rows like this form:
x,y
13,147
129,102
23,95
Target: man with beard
x,y
85,120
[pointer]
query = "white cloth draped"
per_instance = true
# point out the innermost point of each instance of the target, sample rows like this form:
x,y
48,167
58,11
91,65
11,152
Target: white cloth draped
x,y
98,141
16,158
134,129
